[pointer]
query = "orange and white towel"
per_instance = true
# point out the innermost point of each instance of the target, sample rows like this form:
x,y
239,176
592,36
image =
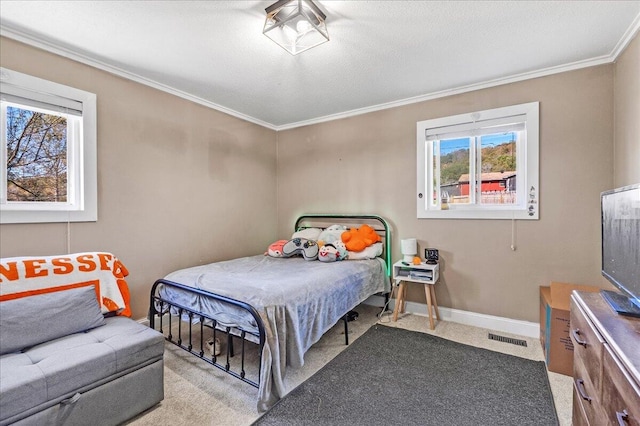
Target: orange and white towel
x,y
28,276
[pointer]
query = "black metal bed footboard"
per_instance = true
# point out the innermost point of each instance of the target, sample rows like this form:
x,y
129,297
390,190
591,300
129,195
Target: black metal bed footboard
x,y
167,317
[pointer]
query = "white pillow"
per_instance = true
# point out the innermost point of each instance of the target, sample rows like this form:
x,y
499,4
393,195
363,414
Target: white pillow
x,y
308,233
371,252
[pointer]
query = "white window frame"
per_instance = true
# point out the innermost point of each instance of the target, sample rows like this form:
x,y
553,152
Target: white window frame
x,y
527,205
82,196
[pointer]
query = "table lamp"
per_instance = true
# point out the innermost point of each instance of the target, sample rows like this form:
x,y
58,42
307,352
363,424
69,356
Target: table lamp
x,y
409,249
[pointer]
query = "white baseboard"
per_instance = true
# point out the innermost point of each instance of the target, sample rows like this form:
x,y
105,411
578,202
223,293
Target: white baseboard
x,y
505,325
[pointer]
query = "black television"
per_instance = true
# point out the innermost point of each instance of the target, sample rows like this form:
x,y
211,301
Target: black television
x,y
620,211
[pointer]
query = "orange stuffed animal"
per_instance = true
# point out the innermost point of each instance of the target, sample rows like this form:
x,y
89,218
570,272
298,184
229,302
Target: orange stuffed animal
x,y
359,239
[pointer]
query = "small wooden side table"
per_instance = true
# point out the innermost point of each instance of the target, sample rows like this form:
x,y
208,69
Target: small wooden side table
x,y
423,274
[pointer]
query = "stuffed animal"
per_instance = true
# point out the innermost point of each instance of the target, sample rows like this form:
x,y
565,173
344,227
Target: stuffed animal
x,y
307,248
331,234
275,249
328,253
360,238
341,249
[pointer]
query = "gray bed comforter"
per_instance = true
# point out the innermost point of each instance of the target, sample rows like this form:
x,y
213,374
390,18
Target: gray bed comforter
x,y
298,302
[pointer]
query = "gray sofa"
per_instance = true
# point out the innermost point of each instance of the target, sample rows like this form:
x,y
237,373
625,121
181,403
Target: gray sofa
x,y
63,363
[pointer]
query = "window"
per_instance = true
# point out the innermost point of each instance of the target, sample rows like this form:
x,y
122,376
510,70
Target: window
x,y
481,165
48,151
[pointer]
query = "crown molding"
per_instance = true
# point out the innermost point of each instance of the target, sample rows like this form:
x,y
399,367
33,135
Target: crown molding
x,y
67,53
605,59
626,38
455,91
75,56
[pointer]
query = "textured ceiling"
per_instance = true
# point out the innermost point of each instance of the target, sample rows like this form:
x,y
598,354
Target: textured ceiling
x,y
381,53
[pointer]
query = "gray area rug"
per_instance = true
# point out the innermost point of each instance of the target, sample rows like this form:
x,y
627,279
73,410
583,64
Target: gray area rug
x,y
395,376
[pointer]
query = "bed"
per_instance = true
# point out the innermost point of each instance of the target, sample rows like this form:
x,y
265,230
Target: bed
x,y
275,308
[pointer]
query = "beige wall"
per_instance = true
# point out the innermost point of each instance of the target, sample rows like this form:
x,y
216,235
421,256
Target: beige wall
x,y
627,116
179,184
367,164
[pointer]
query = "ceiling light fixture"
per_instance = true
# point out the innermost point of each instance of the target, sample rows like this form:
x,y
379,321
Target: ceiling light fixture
x,y
296,25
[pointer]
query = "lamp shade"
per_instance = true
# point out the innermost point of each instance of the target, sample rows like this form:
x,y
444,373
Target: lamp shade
x,y
409,248
295,25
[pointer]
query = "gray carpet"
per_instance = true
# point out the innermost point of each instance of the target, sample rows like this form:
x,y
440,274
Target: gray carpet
x,y
396,376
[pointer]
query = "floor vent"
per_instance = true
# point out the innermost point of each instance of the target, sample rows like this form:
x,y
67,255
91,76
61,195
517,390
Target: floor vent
x,y
513,341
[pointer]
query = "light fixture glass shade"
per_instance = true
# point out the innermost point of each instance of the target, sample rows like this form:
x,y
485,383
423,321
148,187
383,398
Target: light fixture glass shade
x,y
296,25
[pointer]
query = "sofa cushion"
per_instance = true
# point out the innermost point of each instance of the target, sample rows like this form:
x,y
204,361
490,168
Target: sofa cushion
x,y
57,369
133,342
22,385
36,319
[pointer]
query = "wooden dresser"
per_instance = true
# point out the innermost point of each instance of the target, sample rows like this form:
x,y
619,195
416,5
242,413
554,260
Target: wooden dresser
x,y
606,363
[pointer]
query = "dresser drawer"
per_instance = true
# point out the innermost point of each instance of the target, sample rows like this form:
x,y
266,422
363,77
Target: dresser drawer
x,y
579,417
620,394
587,347
587,401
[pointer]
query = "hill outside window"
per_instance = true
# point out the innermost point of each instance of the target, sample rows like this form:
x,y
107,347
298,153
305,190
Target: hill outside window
x,y
481,165
48,155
